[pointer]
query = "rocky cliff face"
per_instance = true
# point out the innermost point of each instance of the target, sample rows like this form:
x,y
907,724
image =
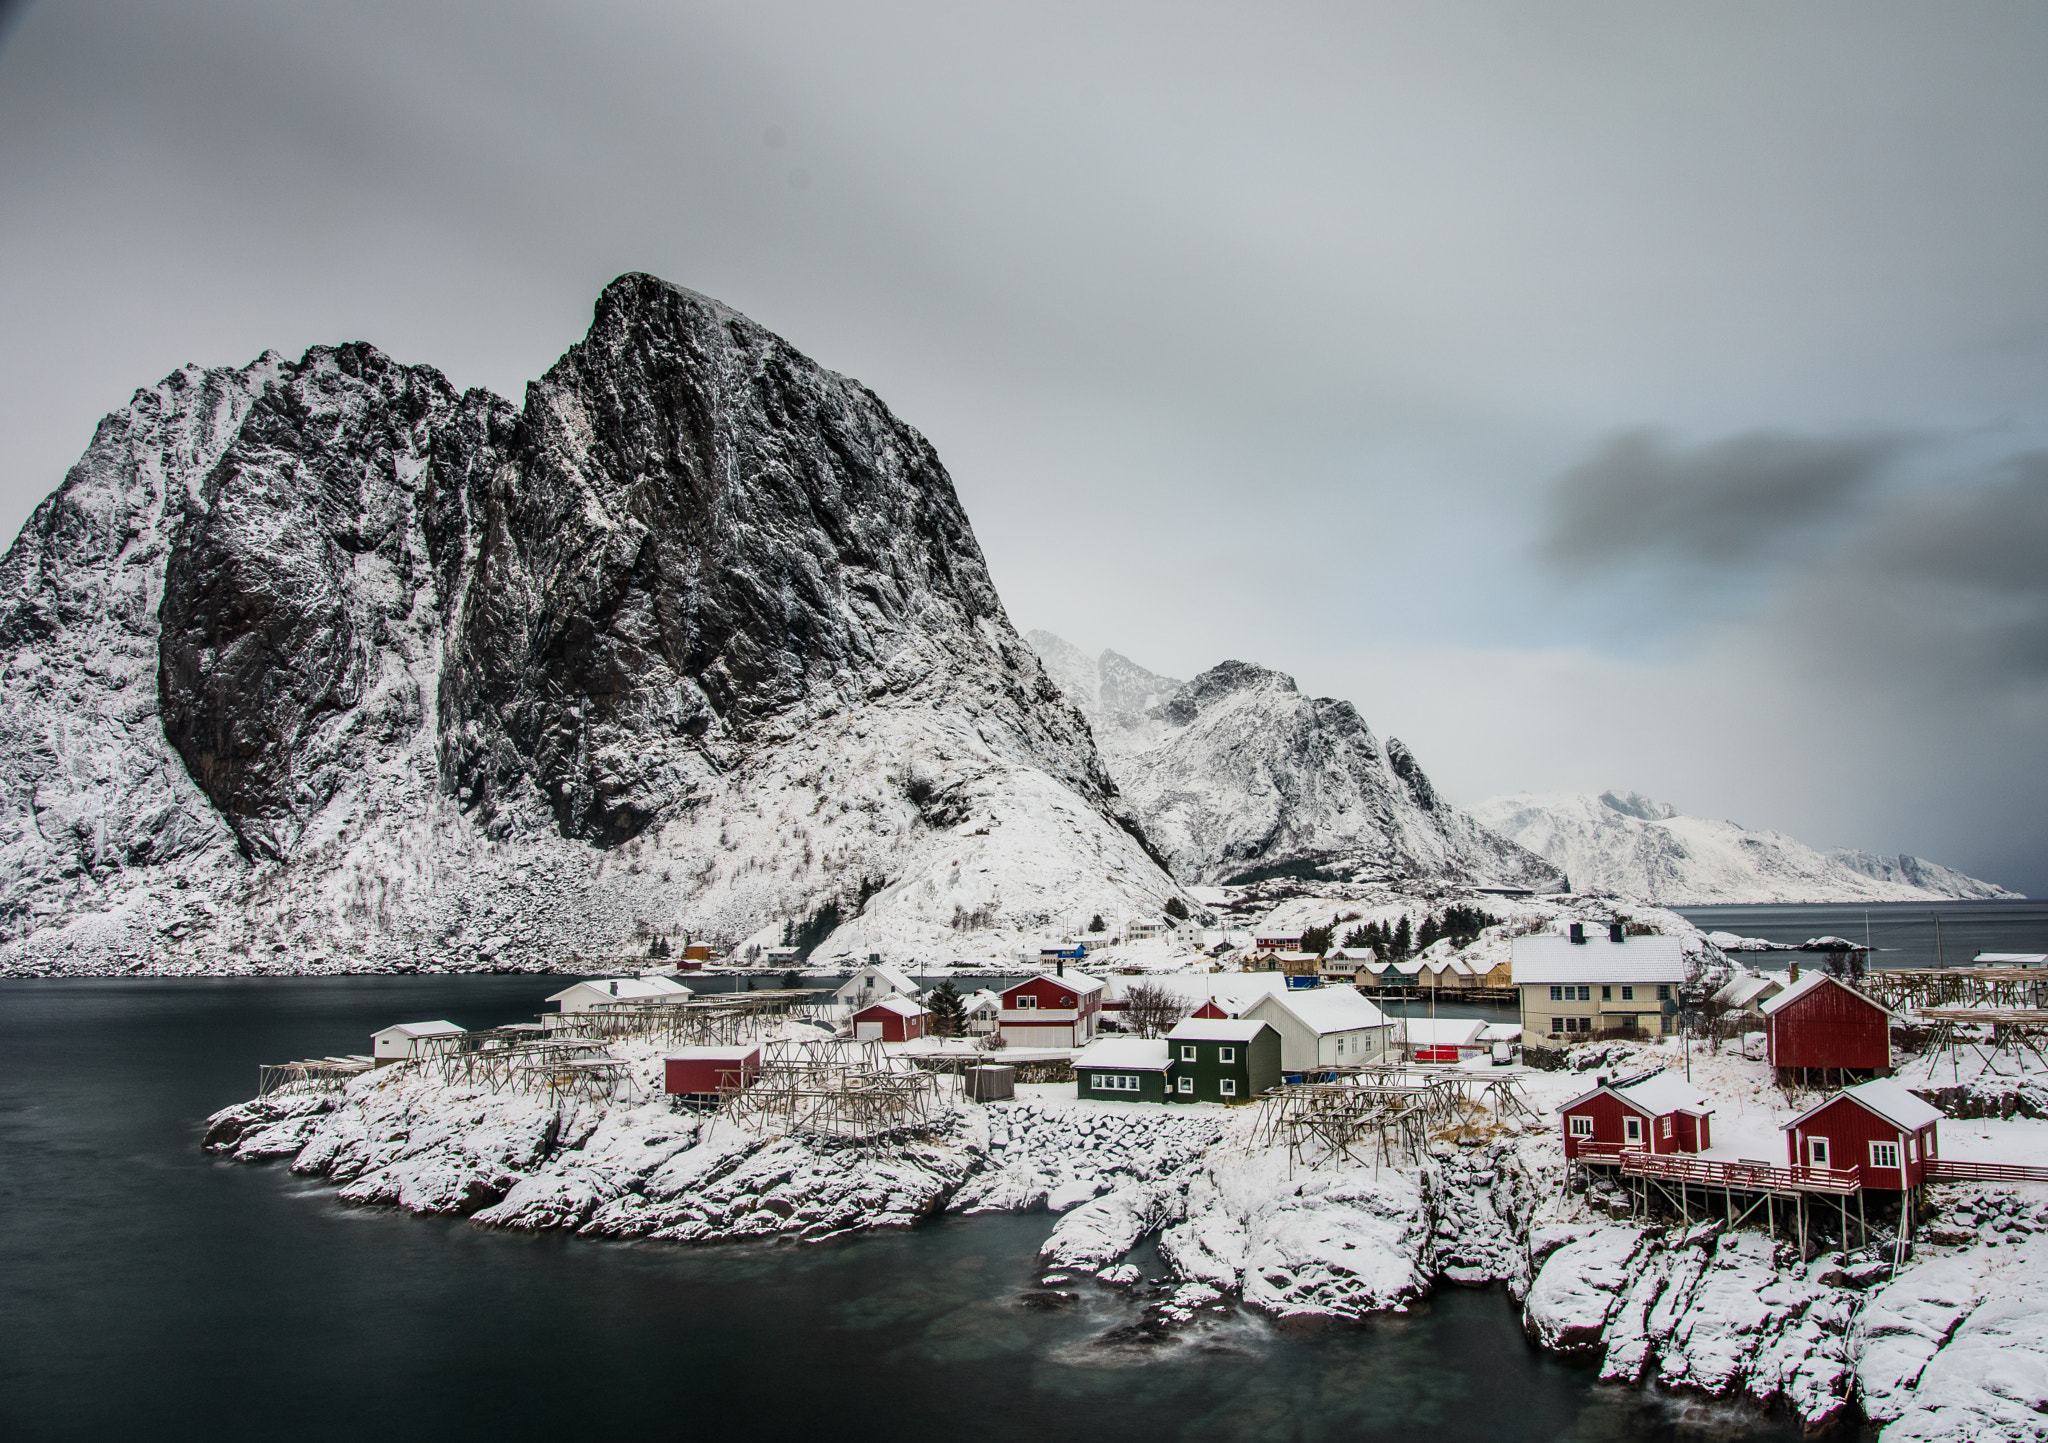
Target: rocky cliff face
x,y
1236,776
1629,845
320,663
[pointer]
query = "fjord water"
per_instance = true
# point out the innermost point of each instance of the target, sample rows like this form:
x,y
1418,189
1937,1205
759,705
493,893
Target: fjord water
x,y
149,1291
1903,934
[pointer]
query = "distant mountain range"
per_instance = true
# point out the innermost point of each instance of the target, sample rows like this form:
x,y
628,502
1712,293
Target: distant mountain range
x,y
1629,845
1236,777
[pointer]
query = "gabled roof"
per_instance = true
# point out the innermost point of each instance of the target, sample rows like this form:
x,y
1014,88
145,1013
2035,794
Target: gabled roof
x,y
1218,1029
985,997
1501,1032
627,989
1139,1054
1443,1032
900,1005
1746,987
1553,958
714,1054
1655,1095
1074,982
893,977
422,1029
1886,1097
1324,1010
1807,984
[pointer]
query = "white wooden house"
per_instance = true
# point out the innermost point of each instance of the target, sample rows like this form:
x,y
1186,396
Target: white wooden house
x,y
871,984
608,992
1322,1027
407,1039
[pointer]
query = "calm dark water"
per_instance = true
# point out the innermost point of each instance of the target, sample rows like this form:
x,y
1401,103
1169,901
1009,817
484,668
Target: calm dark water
x,y
148,1292
1903,933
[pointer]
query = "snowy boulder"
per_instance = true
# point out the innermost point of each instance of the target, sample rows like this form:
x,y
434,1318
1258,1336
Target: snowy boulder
x,y
1098,1233
1579,1288
1990,1382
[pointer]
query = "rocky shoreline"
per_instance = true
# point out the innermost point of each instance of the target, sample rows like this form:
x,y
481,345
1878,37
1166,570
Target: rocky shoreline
x,y
1952,1347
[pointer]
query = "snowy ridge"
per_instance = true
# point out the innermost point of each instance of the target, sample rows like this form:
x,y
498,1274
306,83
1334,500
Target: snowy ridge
x,y
1237,775
1630,846
319,665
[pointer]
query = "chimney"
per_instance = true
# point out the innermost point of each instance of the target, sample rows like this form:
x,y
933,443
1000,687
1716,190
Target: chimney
x,y
614,988
1059,963
1614,932
1795,971
1578,934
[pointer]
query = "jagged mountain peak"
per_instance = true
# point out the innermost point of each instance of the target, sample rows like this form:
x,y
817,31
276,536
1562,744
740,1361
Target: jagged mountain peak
x,y
1628,845
1220,681
321,659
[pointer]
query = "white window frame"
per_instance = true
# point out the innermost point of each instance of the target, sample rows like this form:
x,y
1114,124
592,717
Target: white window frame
x,y
1187,1052
1885,1155
1581,1124
1557,994
1226,1054
1632,1130
1226,1086
1185,1084
1667,1127
1026,1002
1817,1152
1628,994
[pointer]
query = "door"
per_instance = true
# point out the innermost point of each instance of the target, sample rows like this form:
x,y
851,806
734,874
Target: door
x,y
1632,1131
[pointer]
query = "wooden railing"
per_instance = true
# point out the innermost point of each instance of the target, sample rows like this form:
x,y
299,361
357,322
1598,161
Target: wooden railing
x,y
1945,1169
1742,1176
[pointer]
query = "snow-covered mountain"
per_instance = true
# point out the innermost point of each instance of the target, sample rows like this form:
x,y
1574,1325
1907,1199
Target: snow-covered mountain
x,y
1629,845
318,663
1236,775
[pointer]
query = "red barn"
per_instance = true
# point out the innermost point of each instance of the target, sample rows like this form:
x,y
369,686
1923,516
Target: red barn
x,y
1659,1113
893,1019
1821,1025
1878,1130
704,1072
1051,1010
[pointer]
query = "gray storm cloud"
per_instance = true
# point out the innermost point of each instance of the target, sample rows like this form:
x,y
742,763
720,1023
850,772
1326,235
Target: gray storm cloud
x,y
1643,496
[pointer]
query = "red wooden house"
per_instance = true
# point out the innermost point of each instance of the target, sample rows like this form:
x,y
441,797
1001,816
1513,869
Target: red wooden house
x,y
1821,1025
704,1072
892,1019
1659,1113
1052,1010
1878,1130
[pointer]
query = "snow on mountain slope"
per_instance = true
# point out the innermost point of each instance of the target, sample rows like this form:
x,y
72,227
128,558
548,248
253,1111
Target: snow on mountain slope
x,y
318,664
1631,846
1237,775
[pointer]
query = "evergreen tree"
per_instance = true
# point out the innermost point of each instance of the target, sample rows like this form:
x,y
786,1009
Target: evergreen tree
x,y
1176,909
1316,940
1427,934
1359,936
1403,942
1096,924
948,1010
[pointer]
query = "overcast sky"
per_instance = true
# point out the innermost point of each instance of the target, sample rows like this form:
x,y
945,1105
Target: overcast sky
x,y
1600,395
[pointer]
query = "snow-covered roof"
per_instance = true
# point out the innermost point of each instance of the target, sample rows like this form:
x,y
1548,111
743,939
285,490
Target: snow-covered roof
x,y
900,1005
420,1029
893,977
1217,1029
1657,1094
1143,1054
1745,987
627,989
1554,958
1887,1097
1444,1031
1501,1032
986,997
1806,984
2013,959
1075,982
1324,1010
1232,991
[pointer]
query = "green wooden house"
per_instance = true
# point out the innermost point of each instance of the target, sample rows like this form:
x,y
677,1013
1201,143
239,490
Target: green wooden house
x,y
1123,1069
1222,1059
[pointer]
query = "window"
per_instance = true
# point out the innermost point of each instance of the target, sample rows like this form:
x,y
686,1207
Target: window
x,y
1026,1002
1578,1024
1187,1084
1187,1052
1884,1154
1585,994
1816,1152
1606,994
1628,994
1226,1054
1666,1128
1582,1124
1663,992
1066,1002
1912,1149
1557,994
1227,1087
1632,1129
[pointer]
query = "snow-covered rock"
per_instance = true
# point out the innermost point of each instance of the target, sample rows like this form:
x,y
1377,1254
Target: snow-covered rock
x,y
1630,846
1236,775
318,665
